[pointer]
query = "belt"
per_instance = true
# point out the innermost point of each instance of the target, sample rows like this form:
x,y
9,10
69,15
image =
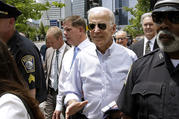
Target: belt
x,y
52,91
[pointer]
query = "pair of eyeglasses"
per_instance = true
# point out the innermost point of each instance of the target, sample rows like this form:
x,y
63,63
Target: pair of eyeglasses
x,y
102,26
159,17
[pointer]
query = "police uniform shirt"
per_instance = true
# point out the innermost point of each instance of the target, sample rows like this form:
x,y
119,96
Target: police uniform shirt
x,y
29,63
151,90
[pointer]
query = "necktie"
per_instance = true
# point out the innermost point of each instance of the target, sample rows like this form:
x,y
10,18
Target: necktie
x,y
76,49
147,47
56,70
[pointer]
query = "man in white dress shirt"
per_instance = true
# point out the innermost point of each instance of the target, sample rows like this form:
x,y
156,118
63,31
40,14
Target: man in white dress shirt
x,y
75,33
99,71
53,62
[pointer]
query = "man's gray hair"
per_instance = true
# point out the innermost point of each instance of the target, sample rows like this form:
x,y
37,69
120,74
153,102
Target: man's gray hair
x,y
121,32
99,9
149,14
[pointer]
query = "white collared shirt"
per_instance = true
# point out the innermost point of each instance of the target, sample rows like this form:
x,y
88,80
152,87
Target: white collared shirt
x,y
66,64
152,41
53,75
98,77
11,107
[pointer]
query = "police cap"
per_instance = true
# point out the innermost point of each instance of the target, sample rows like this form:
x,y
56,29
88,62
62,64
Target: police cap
x,y
8,11
166,6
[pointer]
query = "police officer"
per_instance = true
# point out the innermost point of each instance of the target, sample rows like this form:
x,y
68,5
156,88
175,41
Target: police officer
x,y
24,51
152,87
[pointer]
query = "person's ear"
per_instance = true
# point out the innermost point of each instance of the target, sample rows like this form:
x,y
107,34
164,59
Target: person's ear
x,y
113,28
81,29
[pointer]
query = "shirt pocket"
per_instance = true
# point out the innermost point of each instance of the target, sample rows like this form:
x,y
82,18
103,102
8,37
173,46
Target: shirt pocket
x,y
147,88
149,99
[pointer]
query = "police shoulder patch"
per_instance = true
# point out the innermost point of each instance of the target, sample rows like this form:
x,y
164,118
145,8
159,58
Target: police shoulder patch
x,y
28,62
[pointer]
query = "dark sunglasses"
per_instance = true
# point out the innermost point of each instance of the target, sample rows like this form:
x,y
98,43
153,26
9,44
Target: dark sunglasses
x,y
159,17
102,26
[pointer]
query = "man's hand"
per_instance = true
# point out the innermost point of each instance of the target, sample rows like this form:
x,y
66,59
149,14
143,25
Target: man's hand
x,y
56,114
73,107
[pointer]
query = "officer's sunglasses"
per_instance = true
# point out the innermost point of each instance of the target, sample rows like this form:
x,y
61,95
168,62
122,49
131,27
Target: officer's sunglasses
x,y
159,17
102,26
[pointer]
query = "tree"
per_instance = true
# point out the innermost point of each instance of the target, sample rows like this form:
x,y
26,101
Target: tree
x,y
58,4
135,26
30,10
42,30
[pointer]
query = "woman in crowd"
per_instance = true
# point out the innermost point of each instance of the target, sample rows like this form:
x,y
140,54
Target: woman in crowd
x,y
15,101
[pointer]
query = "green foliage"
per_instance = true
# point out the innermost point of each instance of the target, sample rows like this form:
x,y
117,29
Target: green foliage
x,y
30,32
58,4
31,10
135,26
42,30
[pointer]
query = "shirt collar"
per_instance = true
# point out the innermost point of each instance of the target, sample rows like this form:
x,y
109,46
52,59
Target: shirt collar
x,y
83,44
152,41
61,48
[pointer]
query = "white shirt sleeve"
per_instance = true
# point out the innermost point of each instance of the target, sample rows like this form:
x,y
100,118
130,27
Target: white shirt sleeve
x,y
66,63
11,107
73,84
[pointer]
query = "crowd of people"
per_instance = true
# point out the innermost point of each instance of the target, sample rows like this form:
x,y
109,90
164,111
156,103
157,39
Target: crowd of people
x,y
101,77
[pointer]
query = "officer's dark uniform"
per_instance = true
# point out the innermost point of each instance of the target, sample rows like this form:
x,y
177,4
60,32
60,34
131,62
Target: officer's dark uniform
x,y
26,55
29,63
152,89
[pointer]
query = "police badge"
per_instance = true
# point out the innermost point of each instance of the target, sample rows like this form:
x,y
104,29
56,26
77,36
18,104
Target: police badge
x,y
28,62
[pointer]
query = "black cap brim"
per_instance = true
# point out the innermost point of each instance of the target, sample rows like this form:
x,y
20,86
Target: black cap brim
x,y
8,11
166,9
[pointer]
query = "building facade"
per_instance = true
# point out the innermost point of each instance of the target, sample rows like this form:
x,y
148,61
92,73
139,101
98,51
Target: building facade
x,y
80,7
122,17
55,15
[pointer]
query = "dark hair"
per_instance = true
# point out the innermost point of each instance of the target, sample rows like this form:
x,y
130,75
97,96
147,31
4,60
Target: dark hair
x,y
12,82
76,21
